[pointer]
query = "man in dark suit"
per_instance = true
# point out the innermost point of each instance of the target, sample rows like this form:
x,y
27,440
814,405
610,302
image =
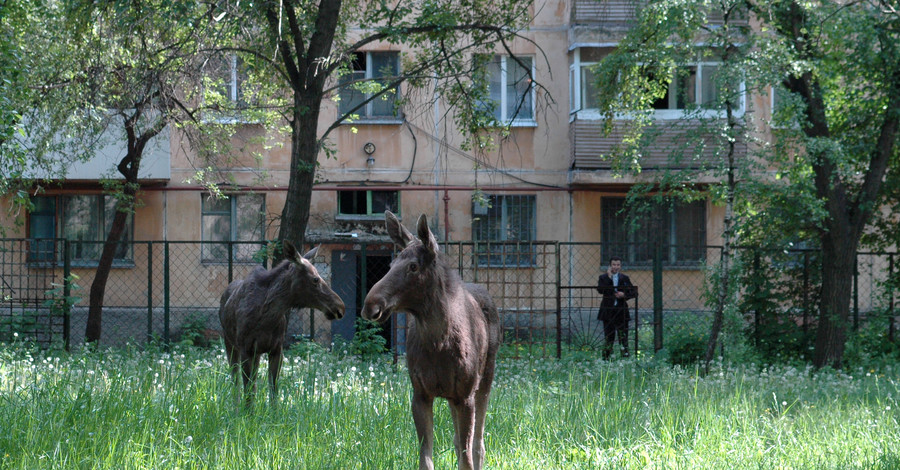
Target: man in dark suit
x,y
616,288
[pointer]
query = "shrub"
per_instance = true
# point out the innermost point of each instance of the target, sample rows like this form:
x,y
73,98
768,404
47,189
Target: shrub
x,y
193,330
367,341
685,337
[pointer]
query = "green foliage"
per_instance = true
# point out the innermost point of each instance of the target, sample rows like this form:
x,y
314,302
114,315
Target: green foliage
x,y
367,340
870,347
685,338
771,280
194,331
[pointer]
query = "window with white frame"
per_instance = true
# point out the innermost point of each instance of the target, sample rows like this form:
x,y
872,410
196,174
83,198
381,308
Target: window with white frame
x,y
229,91
510,89
235,218
691,87
503,227
377,68
679,228
84,220
582,79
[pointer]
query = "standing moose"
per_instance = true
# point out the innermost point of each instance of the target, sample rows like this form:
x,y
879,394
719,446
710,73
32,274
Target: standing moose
x,y
451,344
254,314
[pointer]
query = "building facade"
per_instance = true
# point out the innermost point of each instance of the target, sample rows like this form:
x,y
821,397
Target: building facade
x,y
549,180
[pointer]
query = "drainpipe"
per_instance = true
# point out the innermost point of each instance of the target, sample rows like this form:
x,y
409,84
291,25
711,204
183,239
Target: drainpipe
x,y
446,215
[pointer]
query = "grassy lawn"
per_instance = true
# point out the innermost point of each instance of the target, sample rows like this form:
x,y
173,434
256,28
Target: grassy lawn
x,y
154,410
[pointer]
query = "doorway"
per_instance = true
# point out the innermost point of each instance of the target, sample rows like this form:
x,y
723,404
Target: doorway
x,y
353,274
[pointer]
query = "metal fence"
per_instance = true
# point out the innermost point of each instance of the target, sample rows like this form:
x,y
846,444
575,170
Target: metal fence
x,y
546,291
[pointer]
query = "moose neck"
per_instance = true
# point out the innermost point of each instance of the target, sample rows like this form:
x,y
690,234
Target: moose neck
x,y
434,316
280,295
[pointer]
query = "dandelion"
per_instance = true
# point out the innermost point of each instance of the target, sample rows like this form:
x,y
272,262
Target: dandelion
x,y
188,440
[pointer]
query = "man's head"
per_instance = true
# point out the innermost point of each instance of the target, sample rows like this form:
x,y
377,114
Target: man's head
x,y
615,264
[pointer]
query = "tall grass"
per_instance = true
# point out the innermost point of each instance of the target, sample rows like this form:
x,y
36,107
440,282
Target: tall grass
x,y
132,409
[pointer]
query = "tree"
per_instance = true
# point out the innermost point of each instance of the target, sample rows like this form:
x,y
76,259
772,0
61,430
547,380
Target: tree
x,y
836,127
33,100
137,64
307,45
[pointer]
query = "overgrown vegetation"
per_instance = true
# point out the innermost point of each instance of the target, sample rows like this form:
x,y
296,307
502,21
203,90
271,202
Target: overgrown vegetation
x,y
129,409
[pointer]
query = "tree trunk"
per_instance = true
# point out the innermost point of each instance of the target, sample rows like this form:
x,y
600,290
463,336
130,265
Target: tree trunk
x,y
304,152
838,256
104,266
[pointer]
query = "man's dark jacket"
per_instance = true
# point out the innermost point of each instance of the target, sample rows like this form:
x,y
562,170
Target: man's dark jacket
x,y
609,310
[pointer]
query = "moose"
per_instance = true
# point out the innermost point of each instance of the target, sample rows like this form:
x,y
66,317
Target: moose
x,y
452,342
254,314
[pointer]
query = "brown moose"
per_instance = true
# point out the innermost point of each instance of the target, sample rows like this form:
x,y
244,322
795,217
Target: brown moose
x,y
254,314
451,344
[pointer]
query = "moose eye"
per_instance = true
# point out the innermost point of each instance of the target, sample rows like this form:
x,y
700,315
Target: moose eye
x,y
413,267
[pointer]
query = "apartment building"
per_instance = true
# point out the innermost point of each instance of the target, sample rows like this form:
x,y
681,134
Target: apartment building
x,y
548,181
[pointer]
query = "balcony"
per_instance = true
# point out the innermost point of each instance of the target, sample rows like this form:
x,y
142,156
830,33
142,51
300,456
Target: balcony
x,y
674,145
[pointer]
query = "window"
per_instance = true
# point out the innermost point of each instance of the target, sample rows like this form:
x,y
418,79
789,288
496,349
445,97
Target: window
x,y
368,203
582,79
679,227
229,91
510,89
503,227
84,220
42,229
371,66
692,87
239,217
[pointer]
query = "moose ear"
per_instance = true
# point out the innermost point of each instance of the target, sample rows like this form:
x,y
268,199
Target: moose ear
x,y
290,252
311,254
396,230
428,240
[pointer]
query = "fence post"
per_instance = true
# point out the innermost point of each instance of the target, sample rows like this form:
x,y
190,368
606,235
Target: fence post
x,y
755,296
805,291
67,292
559,303
166,293
890,298
149,291
657,298
856,293
231,261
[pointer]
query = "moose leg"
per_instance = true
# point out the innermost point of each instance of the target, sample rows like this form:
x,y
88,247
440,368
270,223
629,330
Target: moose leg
x,y
274,367
456,443
234,367
249,365
464,410
423,417
481,404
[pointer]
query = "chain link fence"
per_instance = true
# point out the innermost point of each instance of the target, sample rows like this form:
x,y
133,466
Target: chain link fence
x,y
169,291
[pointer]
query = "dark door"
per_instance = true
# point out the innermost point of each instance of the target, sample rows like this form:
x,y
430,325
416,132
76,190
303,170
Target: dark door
x,y
353,276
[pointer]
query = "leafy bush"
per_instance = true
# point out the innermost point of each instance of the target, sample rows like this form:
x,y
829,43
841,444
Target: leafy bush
x,y
870,347
367,341
685,337
193,330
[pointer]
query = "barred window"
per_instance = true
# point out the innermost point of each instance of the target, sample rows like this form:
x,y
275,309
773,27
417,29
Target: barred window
x,y
239,217
503,227
679,227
